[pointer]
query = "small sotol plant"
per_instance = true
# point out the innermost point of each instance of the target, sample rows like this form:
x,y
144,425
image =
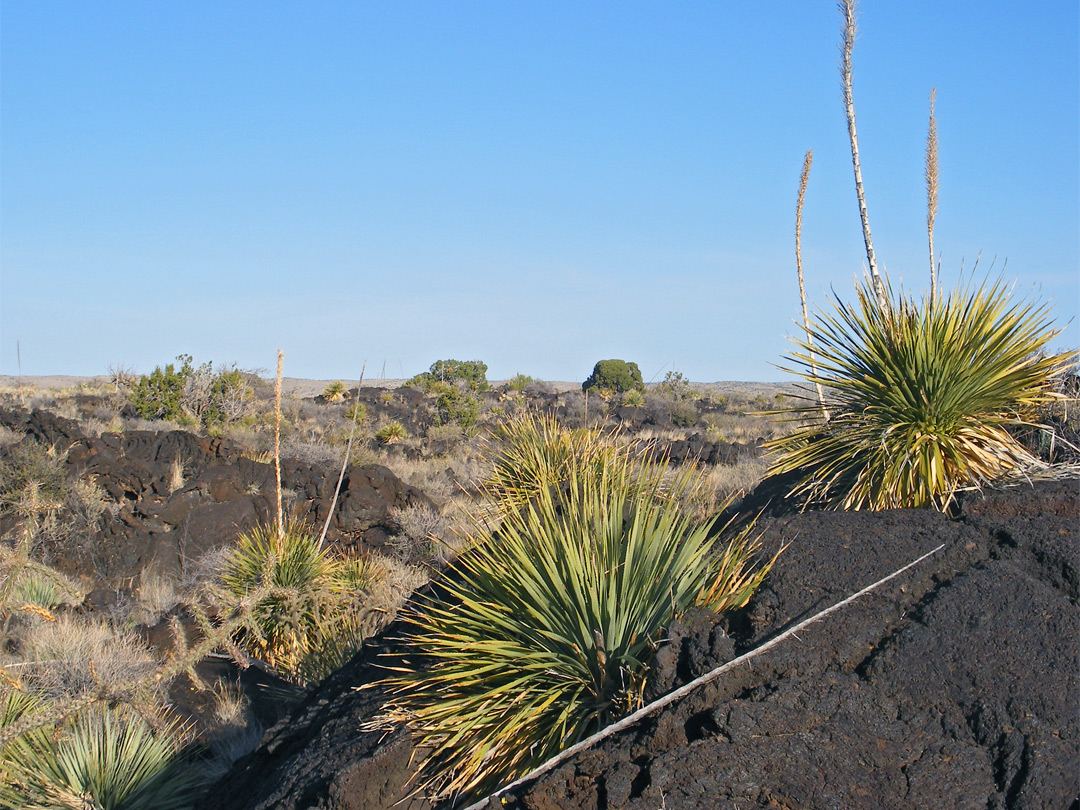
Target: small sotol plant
x,y
309,622
335,391
103,759
550,623
920,395
392,433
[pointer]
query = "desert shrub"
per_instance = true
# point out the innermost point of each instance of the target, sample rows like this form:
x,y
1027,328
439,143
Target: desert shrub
x,y
103,759
616,376
308,624
519,382
357,412
193,394
633,399
29,462
471,373
230,396
457,406
683,413
85,504
74,655
551,624
921,395
160,394
676,387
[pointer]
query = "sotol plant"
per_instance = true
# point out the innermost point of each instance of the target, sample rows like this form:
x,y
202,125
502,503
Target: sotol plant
x,y
102,759
922,394
392,433
549,625
310,620
916,397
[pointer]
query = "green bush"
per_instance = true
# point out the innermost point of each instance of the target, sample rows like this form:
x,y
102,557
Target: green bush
x,y
160,394
470,373
519,382
230,395
920,396
195,395
676,387
684,414
616,376
356,412
455,406
551,623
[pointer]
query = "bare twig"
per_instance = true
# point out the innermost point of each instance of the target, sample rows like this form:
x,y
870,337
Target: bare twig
x,y
847,8
932,178
686,689
277,440
344,461
803,179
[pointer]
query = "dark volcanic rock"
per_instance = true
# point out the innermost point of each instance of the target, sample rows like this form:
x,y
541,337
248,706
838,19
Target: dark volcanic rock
x,y
223,495
954,685
319,757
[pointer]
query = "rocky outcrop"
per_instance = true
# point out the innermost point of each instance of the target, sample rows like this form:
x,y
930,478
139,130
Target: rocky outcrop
x,y
954,685
161,521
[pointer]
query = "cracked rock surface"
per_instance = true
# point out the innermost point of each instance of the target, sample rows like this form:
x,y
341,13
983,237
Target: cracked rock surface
x,y
955,685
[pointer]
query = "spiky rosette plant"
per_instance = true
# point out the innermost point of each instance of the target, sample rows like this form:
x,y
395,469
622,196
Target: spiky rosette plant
x,y
308,622
538,452
921,396
548,626
102,759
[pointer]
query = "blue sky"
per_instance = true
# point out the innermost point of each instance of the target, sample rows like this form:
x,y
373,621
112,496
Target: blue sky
x,y
536,185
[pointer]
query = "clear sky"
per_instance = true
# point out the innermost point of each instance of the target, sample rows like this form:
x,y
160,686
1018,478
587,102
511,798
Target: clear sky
x,y
538,185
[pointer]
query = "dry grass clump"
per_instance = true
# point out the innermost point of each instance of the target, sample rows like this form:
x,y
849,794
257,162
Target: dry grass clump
x,y
722,483
423,535
235,731
9,436
174,476
74,655
440,478
157,595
